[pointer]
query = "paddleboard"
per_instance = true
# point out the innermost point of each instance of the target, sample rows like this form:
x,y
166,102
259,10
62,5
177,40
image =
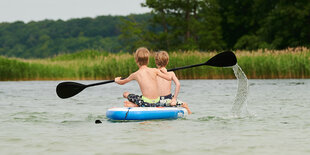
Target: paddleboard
x,y
146,113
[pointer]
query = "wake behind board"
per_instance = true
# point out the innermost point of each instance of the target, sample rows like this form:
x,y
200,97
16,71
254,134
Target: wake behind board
x,y
146,113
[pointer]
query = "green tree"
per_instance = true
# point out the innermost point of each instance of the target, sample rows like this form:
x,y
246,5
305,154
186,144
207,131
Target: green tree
x,y
186,24
133,35
287,25
237,20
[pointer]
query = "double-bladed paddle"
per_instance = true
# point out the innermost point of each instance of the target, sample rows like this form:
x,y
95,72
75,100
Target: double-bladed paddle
x,y
69,89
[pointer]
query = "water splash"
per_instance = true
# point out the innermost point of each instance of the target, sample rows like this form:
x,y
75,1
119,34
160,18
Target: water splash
x,y
240,102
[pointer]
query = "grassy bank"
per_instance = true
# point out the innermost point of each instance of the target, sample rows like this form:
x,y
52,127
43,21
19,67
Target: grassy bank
x,y
91,64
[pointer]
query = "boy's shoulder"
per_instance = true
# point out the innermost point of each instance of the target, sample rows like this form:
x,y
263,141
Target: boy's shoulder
x,y
171,73
148,69
153,69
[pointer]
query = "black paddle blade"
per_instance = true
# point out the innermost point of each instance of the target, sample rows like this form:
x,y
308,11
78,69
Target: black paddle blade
x,y
224,59
98,121
69,89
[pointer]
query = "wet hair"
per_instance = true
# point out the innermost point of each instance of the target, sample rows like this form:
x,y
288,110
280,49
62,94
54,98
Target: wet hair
x,y
161,59
142,56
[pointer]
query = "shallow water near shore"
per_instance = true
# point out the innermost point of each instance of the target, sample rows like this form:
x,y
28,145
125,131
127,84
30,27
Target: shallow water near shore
x,y
35,121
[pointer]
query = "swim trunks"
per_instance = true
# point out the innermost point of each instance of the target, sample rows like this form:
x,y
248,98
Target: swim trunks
x,y
166,100
142,101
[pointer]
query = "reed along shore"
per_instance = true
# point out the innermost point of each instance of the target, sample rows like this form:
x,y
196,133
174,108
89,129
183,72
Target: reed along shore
x,y
98,65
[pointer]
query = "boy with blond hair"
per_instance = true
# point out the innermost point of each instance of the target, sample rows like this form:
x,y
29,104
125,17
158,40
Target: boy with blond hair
x,y
164,86
147,80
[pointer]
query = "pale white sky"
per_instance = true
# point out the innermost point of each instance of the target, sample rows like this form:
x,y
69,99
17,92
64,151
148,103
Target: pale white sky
x,y
35,10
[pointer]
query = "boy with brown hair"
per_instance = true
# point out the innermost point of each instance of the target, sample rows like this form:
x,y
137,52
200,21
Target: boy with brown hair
x,y
164,86
147,80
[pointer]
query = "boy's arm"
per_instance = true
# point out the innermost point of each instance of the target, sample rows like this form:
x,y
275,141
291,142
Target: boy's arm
x,y
118,80
177,88
163,75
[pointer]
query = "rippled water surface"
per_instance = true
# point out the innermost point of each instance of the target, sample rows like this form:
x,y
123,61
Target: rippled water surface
x,y
35,121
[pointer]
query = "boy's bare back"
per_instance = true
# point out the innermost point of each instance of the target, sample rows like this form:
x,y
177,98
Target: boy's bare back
x,y
146,78
165,86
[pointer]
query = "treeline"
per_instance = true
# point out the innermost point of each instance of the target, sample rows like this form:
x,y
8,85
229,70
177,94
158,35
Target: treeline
x,y
225,24
173,25
49,38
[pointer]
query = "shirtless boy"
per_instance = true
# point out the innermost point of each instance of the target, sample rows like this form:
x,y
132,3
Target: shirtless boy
x,y
147,80
164,86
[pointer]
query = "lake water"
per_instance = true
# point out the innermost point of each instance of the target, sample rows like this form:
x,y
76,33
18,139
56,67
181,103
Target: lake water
x,y
35,121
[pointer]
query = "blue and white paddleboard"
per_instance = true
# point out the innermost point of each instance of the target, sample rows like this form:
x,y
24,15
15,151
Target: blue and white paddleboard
x,y
146,113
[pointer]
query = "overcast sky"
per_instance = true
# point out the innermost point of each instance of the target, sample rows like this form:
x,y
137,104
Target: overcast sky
x,y
35,10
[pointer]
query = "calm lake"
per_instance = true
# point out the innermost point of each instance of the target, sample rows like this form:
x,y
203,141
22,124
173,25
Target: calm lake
x,y
35,121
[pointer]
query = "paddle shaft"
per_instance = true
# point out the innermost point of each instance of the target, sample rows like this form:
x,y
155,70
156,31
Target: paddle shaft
x,y
173,69
99,83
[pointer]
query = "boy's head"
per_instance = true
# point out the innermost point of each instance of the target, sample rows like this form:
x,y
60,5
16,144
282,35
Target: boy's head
x,y
142,56
161,59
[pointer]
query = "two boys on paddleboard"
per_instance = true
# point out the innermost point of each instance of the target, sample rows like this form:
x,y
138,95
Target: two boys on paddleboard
x,y
155,84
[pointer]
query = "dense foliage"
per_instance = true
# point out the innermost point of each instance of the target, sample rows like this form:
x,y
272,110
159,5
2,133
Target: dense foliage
x,y
230,24
172,25
48,38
